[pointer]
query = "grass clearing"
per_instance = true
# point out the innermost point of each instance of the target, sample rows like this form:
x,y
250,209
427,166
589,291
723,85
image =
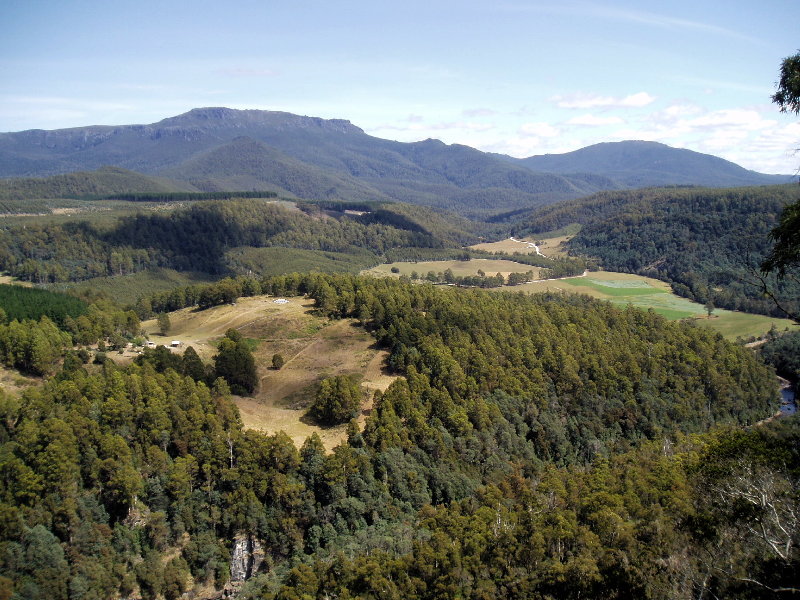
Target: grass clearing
x,y
313,348
13,382
550,247
11,280
460,268
508,246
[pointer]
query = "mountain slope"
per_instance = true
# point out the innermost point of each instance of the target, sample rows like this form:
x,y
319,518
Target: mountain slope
x,y
103,181
644,164
245,163
319,158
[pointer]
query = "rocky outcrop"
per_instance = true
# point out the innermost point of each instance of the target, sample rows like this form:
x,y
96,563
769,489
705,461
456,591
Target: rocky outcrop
x,y
246,557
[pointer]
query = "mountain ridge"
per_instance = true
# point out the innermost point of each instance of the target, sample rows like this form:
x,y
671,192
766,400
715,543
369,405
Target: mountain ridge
x,y
312,157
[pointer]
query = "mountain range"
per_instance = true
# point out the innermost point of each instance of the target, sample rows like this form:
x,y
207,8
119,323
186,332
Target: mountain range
x,y
218,149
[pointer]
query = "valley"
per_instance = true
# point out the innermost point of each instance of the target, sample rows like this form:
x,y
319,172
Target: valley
x,y
404,422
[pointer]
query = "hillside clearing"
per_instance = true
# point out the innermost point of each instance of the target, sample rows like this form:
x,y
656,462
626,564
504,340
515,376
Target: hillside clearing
x,y
550,247
460,268
313,347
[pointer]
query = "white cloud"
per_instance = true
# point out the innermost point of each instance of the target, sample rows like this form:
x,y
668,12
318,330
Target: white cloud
x,y
540,129
414,124
479,112
739,119
584,101
594,121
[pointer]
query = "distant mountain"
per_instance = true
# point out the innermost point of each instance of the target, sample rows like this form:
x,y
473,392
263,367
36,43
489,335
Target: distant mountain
x,y
222,149
245,164
635,164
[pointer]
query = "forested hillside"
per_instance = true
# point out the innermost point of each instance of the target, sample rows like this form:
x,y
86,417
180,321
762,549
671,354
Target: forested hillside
x,y
197,237
490,470
251,236
103,181
708,243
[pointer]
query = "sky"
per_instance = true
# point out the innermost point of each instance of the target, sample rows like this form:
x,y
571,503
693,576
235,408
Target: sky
x,y
517,77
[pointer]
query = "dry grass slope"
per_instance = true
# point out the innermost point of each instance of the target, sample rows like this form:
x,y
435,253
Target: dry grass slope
x,y
313,348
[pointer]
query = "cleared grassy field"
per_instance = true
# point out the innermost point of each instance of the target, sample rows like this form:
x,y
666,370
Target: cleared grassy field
x,y
508,246
313,348
647,293
13,382
460,268
9,280
550,247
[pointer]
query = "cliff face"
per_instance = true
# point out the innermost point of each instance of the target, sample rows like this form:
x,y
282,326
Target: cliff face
x,y
246,557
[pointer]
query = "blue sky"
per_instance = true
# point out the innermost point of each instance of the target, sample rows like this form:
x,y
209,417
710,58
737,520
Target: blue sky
x,y
518,77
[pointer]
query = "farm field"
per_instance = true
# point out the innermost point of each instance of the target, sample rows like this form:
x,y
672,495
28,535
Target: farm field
x,y
644,292
460,268
313,347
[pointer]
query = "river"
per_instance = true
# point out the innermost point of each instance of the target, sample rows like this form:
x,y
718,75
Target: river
x,y
788,401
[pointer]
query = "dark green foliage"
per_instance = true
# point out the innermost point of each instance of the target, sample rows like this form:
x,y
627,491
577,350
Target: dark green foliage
x,y
18,302
278,361
788,94
784,260
235,364
183,196
163,322
785,254
192,365
338,400
162,358
783,353
32,346
653,523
